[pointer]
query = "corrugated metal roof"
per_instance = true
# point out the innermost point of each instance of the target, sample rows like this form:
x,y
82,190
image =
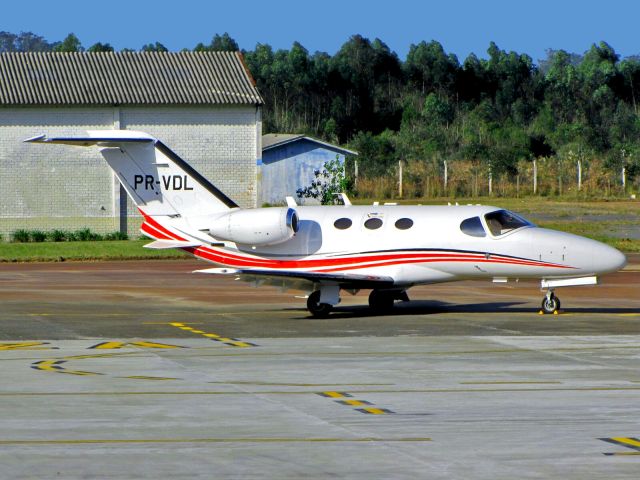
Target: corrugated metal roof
x,y
125,78
274,140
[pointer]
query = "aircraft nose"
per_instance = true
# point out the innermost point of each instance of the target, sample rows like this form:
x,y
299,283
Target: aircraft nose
x,y
607,259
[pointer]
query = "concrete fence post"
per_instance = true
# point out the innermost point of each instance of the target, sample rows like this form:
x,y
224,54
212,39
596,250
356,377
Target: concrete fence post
x,y
579,175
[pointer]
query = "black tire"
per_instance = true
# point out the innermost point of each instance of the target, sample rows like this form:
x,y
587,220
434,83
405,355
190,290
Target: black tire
x,y
380,300
317,309
550,304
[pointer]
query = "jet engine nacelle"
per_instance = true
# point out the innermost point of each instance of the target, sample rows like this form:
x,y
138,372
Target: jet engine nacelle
x,y
260,226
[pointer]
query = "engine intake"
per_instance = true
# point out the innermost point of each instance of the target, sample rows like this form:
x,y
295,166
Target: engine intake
x,y
259,226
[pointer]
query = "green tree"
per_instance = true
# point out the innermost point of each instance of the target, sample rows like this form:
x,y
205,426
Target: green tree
x,y
329,181
154,47
71,43
100,47
429,68
219,43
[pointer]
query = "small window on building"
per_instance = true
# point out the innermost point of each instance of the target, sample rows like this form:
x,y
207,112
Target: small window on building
x,y
342,223
473,226
373,223
503,221
404,224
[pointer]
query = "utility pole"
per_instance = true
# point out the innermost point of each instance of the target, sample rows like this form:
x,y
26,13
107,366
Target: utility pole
x,y
400,178
535,176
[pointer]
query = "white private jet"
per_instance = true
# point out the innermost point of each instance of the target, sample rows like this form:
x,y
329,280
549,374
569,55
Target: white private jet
x,y
326,249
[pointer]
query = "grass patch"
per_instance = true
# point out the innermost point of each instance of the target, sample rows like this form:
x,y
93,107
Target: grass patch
x,y
97,250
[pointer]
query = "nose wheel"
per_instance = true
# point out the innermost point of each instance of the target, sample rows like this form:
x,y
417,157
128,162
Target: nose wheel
x,y
550,303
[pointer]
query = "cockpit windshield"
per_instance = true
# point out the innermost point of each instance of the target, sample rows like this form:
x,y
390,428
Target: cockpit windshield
x,y
504,221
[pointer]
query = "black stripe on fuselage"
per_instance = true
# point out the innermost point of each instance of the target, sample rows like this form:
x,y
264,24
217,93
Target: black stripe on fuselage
x,y
196,176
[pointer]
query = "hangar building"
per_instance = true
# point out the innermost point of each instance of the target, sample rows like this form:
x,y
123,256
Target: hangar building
x,y
289,162
203,105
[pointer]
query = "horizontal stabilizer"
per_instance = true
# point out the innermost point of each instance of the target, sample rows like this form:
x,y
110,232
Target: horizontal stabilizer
x,y
104,141
164,244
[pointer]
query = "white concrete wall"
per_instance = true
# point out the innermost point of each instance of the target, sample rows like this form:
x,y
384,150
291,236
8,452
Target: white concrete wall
x,y
55,186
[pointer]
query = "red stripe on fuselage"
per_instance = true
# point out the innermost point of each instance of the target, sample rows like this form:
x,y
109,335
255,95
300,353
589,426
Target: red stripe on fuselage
x,y
158,226
358,262
153,232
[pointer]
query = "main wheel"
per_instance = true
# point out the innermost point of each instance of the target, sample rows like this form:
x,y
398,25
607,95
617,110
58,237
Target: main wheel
x,y
550,304
381,300
317,309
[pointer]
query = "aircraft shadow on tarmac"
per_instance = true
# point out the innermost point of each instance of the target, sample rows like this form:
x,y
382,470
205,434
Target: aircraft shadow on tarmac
x,y
432,307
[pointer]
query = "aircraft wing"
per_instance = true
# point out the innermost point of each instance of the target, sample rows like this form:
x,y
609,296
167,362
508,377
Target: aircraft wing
x,y
345,280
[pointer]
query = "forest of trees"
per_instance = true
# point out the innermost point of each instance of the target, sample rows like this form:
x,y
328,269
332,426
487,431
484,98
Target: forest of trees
x,y
484,118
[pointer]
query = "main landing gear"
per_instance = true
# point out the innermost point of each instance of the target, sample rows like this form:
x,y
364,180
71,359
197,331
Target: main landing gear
x,y
383,300
550,303
317,309
321,302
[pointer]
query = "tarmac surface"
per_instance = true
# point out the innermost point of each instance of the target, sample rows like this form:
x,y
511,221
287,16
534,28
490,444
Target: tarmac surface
x,y
144,370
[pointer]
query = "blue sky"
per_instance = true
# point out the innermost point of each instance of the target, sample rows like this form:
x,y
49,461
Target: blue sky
x,y
462,27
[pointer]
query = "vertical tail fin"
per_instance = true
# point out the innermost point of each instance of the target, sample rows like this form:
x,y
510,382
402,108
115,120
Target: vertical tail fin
x,y
158,181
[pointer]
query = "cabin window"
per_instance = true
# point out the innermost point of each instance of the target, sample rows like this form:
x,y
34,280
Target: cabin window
x,y
503,221
473,226
373,223
342,223
404,224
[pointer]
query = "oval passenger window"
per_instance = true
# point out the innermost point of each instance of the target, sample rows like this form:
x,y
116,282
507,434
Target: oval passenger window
x,y
342,223
473,226
373,223
404,224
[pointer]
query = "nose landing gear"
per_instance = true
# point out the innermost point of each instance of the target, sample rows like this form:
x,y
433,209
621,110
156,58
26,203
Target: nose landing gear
x,y
550,303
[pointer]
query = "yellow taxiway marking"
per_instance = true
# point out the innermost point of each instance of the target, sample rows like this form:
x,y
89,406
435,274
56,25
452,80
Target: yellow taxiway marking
x,y
91,441
334,394
629,442
233,342
374,411
143,344
27,346
56,366
354,403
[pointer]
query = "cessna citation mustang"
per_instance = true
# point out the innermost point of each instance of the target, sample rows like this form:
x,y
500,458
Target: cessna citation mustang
x,y
324,250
